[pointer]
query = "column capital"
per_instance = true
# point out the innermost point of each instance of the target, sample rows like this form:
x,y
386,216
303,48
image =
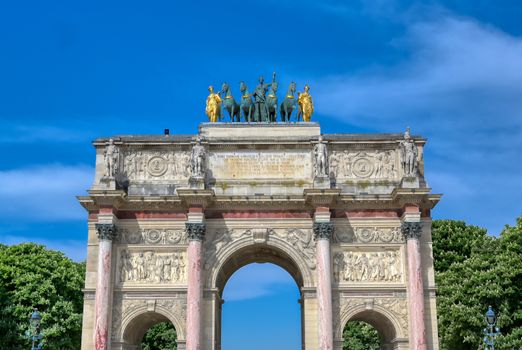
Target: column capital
x,y
195,231
323,230
106,231
411,229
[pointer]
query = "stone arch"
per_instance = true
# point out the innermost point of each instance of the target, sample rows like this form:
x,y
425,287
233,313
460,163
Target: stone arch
x,y
136,323
246,250
387,324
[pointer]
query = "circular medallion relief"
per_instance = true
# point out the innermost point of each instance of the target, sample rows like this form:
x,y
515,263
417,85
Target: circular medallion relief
x,y
157,166
362,167
365,235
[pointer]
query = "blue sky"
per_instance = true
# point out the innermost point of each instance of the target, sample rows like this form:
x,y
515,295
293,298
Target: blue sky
x,y
74,71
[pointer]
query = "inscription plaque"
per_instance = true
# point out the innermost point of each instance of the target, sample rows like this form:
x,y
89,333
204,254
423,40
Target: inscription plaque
x,y
260,165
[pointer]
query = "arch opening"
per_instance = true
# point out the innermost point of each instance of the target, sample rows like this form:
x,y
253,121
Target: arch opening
x,y
137,329
264,311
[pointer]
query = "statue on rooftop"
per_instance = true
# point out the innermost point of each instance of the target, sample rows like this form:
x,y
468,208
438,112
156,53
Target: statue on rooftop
x,y
213,108
289,103
306,106
409,154
247,106
230,104
260,106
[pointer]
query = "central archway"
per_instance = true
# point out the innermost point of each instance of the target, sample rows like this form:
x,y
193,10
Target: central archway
x,y
257,253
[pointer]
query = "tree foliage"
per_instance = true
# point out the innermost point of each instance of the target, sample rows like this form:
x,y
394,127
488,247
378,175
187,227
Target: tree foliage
x,y
32,276
359,335
161,336
474,270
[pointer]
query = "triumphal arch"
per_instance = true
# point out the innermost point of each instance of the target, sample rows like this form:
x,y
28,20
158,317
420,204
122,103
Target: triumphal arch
x,y
172,217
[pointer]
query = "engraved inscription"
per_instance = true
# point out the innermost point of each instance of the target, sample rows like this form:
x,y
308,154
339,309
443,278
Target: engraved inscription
x,y
260,165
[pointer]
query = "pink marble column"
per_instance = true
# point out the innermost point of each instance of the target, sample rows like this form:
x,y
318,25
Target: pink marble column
x,y
196,233
323,232
106,233
412,232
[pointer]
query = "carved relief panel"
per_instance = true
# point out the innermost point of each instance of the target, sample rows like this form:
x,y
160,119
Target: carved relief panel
x,y
159,165
368,266
364,165
151,267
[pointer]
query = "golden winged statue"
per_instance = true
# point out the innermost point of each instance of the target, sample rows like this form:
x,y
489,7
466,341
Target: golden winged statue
x,y
213,108
306,105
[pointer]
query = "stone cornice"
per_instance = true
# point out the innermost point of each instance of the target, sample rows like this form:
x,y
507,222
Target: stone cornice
x,y
196,197
321,197
311,199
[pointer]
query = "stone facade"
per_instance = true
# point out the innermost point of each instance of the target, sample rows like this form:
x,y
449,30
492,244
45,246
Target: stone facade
x,y
166,231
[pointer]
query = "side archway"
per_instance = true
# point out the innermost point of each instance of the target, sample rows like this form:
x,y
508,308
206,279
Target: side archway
x,y
391,329
137,322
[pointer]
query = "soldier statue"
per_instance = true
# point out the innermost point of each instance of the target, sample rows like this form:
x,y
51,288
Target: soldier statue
x,y
259,94
409,155
321,158
198,159
111,159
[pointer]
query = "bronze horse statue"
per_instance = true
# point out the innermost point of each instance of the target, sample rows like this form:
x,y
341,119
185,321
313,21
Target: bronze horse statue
x,y
289,103
271,102
247,105
230,104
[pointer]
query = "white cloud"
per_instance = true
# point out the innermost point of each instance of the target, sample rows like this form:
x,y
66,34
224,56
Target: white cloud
x,y
255,281
457,68
460,85
44,193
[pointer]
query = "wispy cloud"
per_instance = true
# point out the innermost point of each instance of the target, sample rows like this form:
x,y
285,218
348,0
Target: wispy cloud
x,y
461,86
44,193
24,133
255,281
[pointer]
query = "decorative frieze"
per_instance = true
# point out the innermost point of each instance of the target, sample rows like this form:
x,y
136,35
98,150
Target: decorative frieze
x,y
163,236
368,266
159,165
195,231
375,234
378,165
411,229
106,231
152,267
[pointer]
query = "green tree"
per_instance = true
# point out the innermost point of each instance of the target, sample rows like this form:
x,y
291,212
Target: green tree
x,y
161,336
359,335
453,242
33,276
482,271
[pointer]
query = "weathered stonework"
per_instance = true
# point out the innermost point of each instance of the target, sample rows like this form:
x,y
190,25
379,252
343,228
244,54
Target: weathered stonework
x,y
171,218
